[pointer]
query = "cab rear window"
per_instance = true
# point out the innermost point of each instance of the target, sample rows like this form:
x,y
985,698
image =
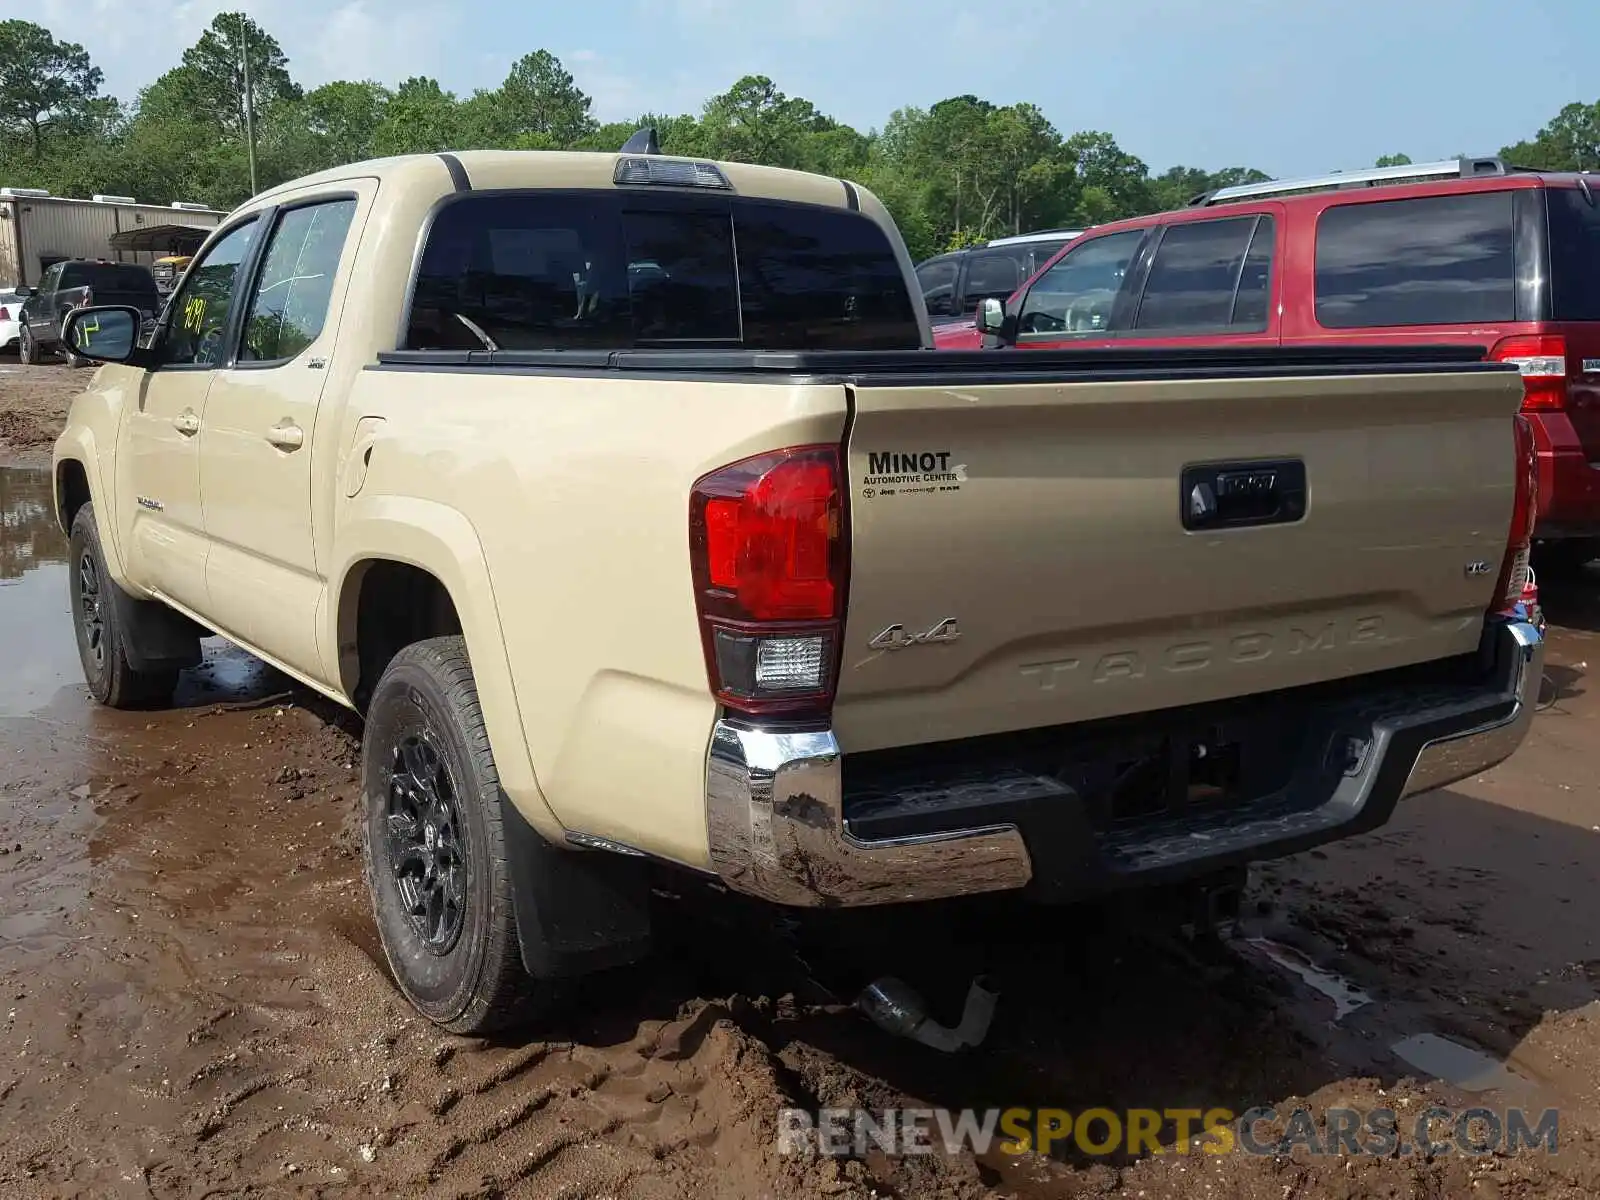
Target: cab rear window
x,y
1574,253
109,277
566,270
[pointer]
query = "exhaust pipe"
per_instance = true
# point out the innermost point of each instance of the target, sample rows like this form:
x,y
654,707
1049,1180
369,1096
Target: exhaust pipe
x,y
897,1008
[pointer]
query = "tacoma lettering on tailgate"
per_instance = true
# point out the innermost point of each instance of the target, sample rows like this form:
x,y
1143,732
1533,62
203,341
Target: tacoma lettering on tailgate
x,y
1196,654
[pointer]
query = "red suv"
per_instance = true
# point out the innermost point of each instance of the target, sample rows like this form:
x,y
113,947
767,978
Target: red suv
x,y
1469,250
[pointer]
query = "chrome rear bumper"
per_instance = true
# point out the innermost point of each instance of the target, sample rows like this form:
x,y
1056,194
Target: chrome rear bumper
x,y
776,810
1520,654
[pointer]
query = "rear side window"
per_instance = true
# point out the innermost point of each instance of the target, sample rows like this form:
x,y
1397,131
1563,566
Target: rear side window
x,y
553,271
994,275
937,280
1574,254
1039,253
1250,303
1439,260
291,300
1197,273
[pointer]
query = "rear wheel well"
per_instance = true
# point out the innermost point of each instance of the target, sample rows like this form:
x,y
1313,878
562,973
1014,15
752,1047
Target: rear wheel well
x,y
397,605
72,492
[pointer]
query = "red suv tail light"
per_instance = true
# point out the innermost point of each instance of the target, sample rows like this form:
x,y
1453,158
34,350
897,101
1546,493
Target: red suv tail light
x,y
1542,359
1514,575
770,560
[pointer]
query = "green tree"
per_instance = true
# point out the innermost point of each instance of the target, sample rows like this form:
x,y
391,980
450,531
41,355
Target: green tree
x,y
1393,160
1031,170
538,107
215,71
754,122
957,132
1238,176
1115,183
44,84
421,118
1570,142
343,119
1176,186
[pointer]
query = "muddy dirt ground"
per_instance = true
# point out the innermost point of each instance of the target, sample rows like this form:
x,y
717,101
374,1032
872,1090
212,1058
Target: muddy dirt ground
x,y
193,1003
33,405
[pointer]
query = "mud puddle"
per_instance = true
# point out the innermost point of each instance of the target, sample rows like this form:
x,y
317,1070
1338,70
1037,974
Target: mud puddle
x,y
193,1003
1344,995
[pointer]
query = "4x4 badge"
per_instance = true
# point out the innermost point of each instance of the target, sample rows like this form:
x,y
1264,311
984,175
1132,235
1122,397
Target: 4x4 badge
x,y
896,638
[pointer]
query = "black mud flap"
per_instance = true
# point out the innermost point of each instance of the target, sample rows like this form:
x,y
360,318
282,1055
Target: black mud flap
x,y
578,911
157,637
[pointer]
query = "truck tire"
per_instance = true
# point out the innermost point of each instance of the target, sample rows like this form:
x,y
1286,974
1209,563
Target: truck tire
x,y
102,637
434,847
27,348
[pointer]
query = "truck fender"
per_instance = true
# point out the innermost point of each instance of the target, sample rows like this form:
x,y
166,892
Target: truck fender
x,y
158,637
440,540
577,911
77,444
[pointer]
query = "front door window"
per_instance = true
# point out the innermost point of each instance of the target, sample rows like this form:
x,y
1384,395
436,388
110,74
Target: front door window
x,y
197,324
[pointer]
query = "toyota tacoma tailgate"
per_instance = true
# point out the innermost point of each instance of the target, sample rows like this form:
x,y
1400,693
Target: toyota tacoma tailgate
x,y
1120,534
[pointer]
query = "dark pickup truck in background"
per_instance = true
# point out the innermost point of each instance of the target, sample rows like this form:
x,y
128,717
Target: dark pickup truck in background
x,y
79,283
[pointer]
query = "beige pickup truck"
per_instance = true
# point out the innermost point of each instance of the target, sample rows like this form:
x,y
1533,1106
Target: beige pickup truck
x,y
626,498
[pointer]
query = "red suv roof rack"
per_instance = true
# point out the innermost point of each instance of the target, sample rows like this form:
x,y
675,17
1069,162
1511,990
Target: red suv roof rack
x,y
1449,168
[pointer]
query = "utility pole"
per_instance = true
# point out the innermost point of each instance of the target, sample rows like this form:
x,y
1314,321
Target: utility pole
x,y
249,100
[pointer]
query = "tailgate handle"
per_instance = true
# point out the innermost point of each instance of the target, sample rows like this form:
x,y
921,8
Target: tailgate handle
x,y
1238,495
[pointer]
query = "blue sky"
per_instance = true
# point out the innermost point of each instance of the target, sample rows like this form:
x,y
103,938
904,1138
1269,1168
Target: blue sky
x,y
1290,87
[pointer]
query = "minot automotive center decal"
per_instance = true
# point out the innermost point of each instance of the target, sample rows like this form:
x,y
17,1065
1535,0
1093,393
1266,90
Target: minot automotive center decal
x,y
914,472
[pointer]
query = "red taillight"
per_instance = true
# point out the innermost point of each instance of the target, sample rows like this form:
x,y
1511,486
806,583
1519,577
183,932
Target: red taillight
x,y
1524,512
766,539
5,313
1542,358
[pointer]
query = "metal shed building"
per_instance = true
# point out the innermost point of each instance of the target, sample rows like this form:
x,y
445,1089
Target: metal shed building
x,y
37,229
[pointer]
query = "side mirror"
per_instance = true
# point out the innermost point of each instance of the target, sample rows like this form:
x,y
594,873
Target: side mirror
x,y
109,333
991,316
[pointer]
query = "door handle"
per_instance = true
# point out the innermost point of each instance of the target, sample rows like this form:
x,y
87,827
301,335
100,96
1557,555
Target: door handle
x,y
186,423
286,435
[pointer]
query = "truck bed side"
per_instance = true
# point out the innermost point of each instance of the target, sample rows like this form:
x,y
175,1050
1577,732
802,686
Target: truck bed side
x,y
576,487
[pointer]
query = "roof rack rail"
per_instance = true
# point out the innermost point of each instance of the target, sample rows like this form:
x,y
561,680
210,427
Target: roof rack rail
x,y
1037,235
1448,168
642,142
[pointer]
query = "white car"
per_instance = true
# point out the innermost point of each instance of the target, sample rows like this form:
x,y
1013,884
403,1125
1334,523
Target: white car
x,y
10,302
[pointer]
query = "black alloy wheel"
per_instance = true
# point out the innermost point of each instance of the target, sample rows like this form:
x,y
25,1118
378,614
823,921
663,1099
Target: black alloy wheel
x,y
91,621
425,843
